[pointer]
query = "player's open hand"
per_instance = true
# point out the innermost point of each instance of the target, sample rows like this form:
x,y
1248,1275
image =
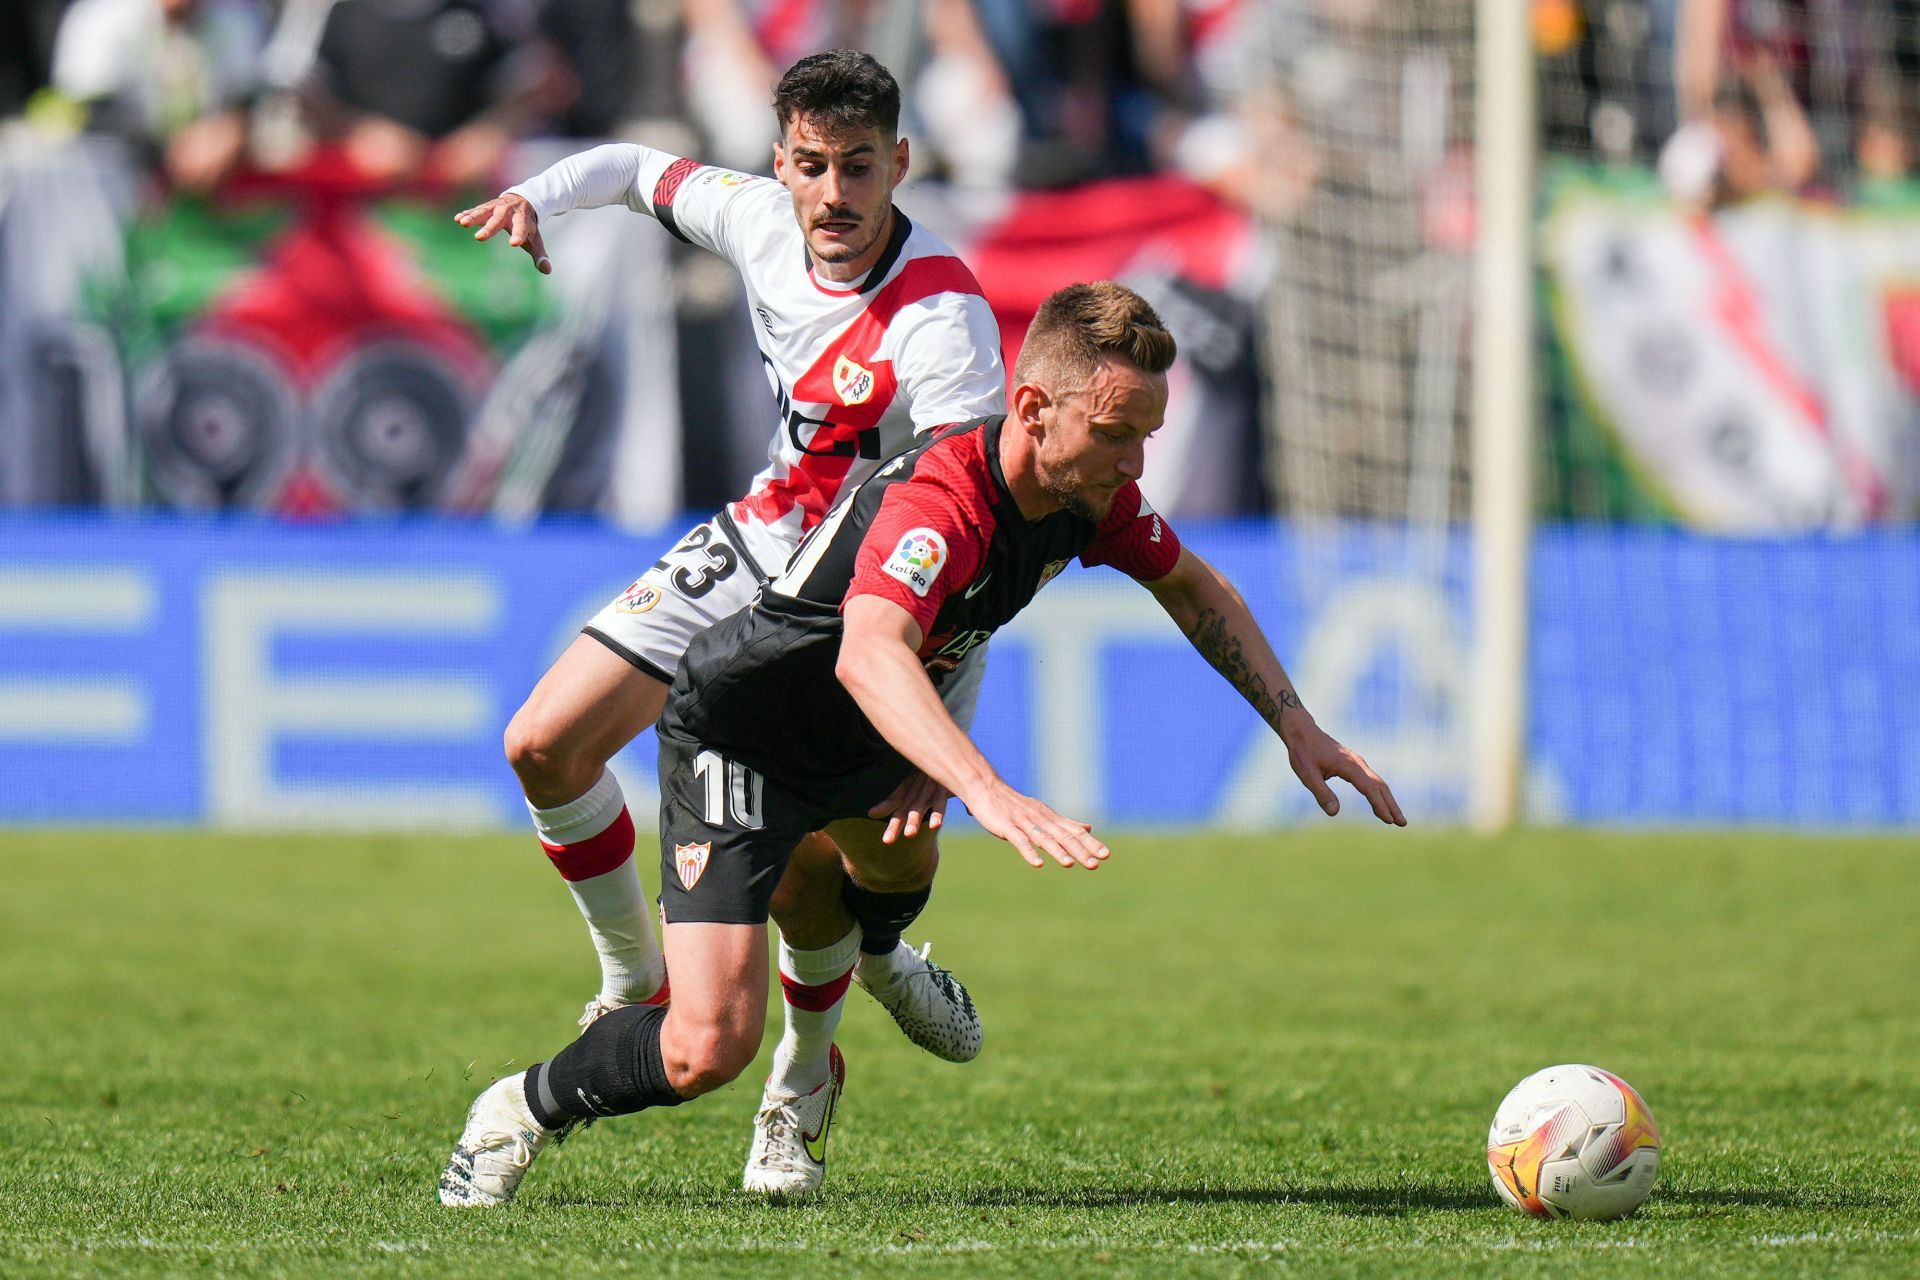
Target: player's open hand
x,y
1036,831
514,215
1316,757
918,803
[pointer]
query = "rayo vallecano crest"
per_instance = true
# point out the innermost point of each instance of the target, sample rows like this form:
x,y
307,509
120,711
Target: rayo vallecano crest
x,y
851,382
690,860
638,598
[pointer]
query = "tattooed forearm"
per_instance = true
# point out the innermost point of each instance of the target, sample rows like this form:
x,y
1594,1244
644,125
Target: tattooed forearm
x,y
1218,646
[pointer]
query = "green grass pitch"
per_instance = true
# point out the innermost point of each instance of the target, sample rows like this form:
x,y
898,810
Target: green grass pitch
x,y
1218,1055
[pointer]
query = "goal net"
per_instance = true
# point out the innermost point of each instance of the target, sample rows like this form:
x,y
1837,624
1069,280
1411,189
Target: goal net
x,y
1719,354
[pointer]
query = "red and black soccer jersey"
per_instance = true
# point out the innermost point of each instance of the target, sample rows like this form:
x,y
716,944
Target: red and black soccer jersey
x,y
936,531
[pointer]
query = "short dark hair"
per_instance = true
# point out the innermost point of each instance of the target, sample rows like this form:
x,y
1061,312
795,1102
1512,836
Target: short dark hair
x,y
841,89
1082,322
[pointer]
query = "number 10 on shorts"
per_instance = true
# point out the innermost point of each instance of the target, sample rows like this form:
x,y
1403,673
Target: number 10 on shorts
x,y
729,785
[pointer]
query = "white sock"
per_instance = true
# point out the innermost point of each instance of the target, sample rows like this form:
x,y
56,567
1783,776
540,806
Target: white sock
x,y
590,841
879,970
814,984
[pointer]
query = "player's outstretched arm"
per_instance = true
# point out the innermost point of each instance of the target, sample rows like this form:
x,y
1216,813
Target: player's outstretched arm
x,y
1222,628
880,668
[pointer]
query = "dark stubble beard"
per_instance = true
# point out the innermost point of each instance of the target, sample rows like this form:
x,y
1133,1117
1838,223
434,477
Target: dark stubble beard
x,y
849,252
1063,490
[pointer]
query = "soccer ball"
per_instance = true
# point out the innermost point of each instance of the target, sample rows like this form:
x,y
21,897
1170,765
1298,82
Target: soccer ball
x,y
1573,1142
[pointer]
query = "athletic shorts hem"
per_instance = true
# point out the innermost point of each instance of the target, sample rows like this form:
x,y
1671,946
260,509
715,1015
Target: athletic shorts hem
x,y
664,677
711,916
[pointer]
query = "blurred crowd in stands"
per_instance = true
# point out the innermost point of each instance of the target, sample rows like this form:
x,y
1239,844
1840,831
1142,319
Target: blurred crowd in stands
x,y
999,92
1737,98
1729,97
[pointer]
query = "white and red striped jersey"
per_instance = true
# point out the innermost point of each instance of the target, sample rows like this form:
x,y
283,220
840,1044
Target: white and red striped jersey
x,y
857,369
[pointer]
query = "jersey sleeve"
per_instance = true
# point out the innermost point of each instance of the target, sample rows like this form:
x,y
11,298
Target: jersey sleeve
x,y
697,203
949,365
920,548
1134,538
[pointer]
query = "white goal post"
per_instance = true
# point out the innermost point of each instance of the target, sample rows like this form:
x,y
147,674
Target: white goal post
x,y
1503,405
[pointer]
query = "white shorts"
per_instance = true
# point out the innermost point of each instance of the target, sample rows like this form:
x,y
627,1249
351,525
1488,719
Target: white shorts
x,y
708,575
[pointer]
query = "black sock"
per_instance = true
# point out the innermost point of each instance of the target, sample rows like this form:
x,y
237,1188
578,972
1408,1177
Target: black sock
x,y
614,1069
882,916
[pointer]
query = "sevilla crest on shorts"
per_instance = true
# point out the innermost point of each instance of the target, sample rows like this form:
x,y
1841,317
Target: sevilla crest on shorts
x,y
853,383
690,860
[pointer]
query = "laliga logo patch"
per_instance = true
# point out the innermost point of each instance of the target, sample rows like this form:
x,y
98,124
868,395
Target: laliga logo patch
x,y
724,177
917,560
690,860
638,598
851,382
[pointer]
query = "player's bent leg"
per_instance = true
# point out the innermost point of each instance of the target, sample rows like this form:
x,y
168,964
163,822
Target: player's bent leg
x,y
719,1010
590,703
722,861
587,706
819,944
632,1059
886,889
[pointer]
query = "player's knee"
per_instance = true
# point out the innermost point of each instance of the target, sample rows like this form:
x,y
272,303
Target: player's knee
x,y
525,745
901,868
541,755
705,1058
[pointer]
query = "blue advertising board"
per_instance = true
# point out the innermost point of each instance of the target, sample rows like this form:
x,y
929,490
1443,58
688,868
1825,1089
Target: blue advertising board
x,y
249,673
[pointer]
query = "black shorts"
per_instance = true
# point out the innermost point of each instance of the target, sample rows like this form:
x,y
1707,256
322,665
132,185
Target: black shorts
x,y
726,830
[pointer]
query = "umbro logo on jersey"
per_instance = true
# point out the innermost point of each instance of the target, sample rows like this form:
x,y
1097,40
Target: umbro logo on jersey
x,y
690,860
853,383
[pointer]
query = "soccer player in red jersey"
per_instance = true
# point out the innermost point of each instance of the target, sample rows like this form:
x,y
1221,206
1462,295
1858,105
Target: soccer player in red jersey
x,y
826,696
872,333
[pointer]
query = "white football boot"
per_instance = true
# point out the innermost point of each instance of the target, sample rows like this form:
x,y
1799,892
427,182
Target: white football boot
x,y
929,1004
496,1148
789,1155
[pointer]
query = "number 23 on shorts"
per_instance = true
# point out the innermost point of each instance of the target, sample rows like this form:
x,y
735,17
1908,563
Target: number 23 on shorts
x,y
698,562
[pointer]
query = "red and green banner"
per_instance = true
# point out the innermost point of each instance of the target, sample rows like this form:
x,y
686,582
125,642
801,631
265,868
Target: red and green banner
x,y
307,343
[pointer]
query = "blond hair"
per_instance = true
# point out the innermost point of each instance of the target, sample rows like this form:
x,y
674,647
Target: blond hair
x,y
1079,324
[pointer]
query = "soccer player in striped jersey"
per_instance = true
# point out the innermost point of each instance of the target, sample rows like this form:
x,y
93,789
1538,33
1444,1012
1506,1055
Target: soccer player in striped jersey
x,y
872,332
806,708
